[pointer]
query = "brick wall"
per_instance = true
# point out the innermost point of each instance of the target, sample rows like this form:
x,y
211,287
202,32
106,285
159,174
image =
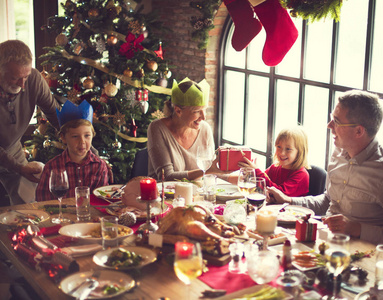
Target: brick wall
x,y
183,52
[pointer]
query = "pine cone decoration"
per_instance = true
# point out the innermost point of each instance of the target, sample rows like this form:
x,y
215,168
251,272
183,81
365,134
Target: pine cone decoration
x,y
127,219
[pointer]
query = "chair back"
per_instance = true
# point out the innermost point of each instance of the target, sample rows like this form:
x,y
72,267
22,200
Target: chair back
x,y
140,165
317,182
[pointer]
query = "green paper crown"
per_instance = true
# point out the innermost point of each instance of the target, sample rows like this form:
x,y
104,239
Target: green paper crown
x,y
193,96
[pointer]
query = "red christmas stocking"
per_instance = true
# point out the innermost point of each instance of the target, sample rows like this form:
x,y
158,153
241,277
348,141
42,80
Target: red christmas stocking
x,y
246,25
281,32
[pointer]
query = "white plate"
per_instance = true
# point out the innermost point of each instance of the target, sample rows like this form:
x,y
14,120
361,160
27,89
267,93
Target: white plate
x,y
16,217
272,241
170,188
148,256
295,249
362,296
106,278
110,189
227,192
291,213
82,232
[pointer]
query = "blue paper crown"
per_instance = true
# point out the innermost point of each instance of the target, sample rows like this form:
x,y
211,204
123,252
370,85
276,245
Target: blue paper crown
x,y
71,112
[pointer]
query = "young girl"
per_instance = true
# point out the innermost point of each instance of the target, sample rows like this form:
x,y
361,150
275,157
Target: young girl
x,y
288,172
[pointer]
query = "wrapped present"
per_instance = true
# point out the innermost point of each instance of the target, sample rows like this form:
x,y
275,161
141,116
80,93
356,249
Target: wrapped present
x,y
230,156
306,230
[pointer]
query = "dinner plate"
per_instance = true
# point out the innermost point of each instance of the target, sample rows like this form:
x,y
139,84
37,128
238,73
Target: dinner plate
x,y
362,296
295,249
227,192
170,187
16,217
291,213
279,238
83,232
148,256
107,277
155,210
109,190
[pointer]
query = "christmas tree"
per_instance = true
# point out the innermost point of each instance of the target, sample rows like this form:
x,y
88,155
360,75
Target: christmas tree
x,y
110,54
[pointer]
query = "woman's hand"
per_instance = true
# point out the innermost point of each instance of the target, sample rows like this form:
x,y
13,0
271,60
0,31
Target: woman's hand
x,y
247,163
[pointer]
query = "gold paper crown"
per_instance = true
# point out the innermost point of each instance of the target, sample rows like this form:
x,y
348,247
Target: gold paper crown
x,y
193,96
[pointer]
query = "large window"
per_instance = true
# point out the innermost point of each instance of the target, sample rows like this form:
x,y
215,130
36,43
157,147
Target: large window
x,y
257,101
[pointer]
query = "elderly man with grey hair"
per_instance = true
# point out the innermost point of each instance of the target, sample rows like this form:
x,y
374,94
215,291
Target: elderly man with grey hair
x,y
22,88
353,200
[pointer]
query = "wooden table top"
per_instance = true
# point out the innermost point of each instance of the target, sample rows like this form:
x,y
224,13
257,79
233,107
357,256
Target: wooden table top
x,y
156,280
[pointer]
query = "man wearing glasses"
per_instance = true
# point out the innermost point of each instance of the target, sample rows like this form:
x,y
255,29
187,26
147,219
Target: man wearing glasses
x,y
21,89
353,200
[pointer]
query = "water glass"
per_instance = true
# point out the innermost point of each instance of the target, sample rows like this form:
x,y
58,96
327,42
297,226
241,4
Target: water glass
x,y
82,203
109,232
210,186
379,267
236,265
263,267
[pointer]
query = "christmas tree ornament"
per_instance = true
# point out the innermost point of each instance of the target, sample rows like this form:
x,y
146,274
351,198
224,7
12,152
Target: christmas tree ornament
x,y
162,82
61,40
118,119
246,25
47,143
100,45
158,114
135,27
127,219
116,144
152,65
281,32
103,98
103,117
73,95
78,48
130,5
128,73
145,33
111,40
144,105
93,13
88,83
140,73
168,74
110,89
133,128
159,52
45,75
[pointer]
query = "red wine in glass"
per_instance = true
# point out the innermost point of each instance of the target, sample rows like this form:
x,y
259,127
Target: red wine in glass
x,y
59,191
59,186
256,200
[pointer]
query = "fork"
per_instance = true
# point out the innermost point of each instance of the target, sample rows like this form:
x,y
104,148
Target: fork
x,y
88,280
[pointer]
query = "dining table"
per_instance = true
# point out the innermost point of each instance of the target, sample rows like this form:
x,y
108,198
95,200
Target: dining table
x,y
156,280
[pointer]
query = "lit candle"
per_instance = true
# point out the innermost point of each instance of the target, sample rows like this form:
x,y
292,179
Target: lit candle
x,y
148,188
185,190
266,221
184,249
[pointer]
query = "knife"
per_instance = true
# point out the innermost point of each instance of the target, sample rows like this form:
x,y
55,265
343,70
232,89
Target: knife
x,y
118,191
352,289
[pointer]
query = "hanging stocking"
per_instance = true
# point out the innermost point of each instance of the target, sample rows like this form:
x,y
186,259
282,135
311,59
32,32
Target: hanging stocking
x,y
247,26
281,32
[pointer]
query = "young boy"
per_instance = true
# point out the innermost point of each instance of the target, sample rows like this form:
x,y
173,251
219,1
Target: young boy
x,y
83,167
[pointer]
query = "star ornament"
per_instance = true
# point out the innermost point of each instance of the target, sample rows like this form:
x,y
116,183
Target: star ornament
x,y
131,46
119,119
159,52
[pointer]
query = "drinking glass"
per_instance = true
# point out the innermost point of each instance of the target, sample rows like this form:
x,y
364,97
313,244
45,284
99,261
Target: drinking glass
x,y
109,232
379,267
205,156
246,182
258,195
59,186
188,262
337,257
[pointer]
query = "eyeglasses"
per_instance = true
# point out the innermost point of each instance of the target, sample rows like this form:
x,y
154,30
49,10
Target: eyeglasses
x,y
11,109
339,124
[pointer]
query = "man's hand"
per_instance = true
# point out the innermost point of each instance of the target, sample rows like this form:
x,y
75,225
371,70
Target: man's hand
x,y
341,224
28,172
275,196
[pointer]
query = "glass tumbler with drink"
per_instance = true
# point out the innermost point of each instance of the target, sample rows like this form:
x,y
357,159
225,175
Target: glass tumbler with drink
x,y
109,232
59,186
205,157
82,194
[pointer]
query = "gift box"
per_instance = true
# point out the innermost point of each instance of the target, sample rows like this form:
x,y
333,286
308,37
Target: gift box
x,y
230,156
306,230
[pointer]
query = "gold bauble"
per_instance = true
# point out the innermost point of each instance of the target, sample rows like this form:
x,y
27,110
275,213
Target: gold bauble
x,y
61,40
110,90
88,83
128,73
111,40
93,13
152,65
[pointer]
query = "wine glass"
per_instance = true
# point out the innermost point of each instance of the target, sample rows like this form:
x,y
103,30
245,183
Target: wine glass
x,y
337,257
258,195
205,156
188,263
59,186
246,183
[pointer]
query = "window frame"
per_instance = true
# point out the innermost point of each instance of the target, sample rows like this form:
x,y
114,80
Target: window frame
x,y
273,77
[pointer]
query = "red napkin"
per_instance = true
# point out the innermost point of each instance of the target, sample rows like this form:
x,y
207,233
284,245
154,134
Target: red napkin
x,y
52,230
220,278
